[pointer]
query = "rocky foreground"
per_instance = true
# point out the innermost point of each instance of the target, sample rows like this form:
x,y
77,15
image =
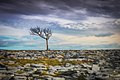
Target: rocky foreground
x,y
60,65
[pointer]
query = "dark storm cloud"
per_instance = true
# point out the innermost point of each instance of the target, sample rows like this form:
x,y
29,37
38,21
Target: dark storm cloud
x,y
66,7
107,7
22,7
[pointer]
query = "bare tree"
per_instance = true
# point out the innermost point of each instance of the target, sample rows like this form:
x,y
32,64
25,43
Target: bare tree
x,y
45,33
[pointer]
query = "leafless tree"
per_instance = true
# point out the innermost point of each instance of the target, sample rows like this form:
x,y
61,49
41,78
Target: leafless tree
x,y
45,33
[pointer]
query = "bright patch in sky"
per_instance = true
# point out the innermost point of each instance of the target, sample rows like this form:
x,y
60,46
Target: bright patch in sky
x,y
76,24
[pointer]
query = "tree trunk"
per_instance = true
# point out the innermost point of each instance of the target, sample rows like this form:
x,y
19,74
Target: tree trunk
x,y
46,44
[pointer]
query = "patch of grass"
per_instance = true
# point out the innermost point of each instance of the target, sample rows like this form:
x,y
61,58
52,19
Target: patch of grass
x,y
19,71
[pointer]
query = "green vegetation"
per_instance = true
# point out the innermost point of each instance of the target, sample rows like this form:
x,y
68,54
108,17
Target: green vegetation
x,y
44,73
115,73
2,57
19,71
45,61
81,77
74,62
52,62
22,62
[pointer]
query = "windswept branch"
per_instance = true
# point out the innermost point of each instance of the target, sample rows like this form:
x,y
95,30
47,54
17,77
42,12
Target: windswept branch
x,y
47,32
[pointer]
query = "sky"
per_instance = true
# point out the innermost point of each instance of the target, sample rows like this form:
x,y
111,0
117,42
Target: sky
x,y
76,24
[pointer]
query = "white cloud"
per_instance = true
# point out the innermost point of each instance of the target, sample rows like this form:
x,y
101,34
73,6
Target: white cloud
x,y
75,26
90,22
97,20
117,22
8,30
82,11
90,26
87,40
48,18
94,23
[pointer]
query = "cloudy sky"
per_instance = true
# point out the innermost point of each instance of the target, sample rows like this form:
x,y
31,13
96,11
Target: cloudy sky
x,y
76,24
